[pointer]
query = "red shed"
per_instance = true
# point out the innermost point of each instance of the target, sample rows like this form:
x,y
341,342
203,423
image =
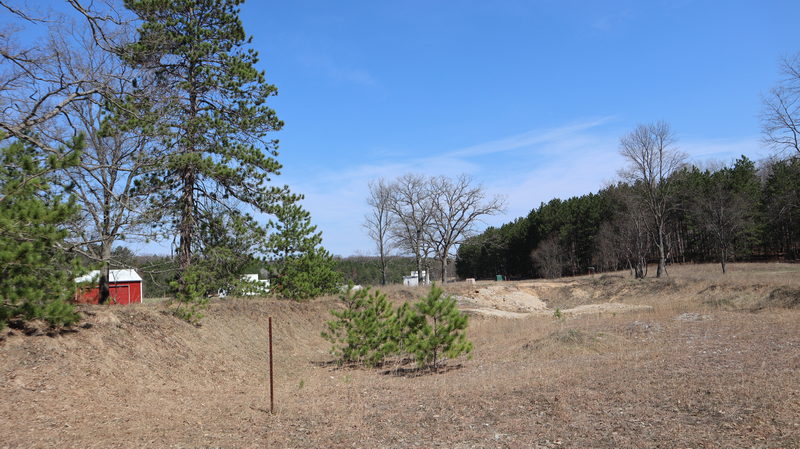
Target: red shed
x,y
125,287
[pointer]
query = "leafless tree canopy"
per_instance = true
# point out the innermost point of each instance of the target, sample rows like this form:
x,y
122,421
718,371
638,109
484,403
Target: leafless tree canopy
x,y
781,114
380,221
458,205
411,205
37,82
548,257
69,87
428,216
652,159
626,236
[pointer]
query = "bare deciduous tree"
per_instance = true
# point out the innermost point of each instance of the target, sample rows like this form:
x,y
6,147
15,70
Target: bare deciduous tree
x,y
781,114
625,236
108,182
380,221
547,257
410,203
457,206
652,159
427,216
35,84
633,235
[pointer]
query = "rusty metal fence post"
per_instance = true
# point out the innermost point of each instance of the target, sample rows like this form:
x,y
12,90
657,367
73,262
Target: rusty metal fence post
x,y
271,385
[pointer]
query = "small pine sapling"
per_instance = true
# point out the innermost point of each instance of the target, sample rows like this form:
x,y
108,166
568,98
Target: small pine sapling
x,y
437,329
362,330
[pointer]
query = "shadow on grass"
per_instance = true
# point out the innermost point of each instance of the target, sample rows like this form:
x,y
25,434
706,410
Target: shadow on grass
x,y
397,368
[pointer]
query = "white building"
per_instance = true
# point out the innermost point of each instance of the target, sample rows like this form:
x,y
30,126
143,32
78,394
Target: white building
x,y
413,280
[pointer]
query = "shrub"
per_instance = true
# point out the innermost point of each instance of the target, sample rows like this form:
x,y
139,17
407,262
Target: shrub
x,y
368,329
361,332
437,329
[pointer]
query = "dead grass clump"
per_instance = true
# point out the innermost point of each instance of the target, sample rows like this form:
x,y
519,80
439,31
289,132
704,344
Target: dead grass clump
x,y
659,285
780,298
642,328
607,280
572,340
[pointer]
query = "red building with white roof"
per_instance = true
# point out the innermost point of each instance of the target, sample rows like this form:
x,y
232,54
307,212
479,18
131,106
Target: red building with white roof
x,y
125,287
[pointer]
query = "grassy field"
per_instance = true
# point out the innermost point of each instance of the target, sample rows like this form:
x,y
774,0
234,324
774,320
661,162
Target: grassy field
x,y
712,363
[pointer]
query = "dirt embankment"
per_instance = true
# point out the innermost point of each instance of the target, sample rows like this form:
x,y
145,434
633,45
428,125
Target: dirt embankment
x,y
523,299
714,364
136,376
751,287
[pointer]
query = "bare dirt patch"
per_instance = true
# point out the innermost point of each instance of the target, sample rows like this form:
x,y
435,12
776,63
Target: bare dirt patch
x,y
525,298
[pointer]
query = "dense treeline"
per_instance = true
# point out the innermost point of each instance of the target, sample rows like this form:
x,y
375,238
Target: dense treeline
x,y
737,212
366,270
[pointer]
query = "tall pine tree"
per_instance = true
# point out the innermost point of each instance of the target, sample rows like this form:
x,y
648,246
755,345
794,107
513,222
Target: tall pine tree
x,y
218,120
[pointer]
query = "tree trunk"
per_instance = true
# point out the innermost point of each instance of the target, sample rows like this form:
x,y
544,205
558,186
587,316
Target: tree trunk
x,y
105,254
383,268
189,178
723,257
662,258
420,278
187,220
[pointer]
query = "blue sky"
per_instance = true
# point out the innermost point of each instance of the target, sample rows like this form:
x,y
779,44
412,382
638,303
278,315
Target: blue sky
x,y
529,97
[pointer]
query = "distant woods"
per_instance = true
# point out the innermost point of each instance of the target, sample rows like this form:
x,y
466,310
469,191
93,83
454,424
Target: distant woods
x,y
663,210
739,212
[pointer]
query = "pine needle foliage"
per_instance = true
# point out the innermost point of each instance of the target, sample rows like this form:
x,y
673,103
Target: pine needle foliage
x,y
35,273
301,267
361,332
368,330
438,330
214,122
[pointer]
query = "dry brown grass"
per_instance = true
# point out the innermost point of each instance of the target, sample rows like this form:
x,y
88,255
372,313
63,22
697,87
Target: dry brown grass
x,y
701,369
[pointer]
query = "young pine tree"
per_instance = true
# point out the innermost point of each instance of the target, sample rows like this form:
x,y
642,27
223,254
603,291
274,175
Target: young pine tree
x,y
362,330
35,273
302,268
436,329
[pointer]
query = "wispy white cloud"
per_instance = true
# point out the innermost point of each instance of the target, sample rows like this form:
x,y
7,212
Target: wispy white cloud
x,y
337,70
530,138
723,150
527,169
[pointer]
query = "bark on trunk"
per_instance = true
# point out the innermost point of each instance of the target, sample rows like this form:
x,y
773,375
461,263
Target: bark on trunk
x,y
662,258
105,254
383,268
724,257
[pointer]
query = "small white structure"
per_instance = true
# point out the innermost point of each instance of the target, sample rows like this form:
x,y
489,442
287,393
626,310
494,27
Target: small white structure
x,y
347,288
259,287
413,280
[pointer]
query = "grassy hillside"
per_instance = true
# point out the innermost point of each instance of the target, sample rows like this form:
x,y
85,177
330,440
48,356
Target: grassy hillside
x,y
712,363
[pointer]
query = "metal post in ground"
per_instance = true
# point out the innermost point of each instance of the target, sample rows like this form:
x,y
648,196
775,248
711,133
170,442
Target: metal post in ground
x,y
271,384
